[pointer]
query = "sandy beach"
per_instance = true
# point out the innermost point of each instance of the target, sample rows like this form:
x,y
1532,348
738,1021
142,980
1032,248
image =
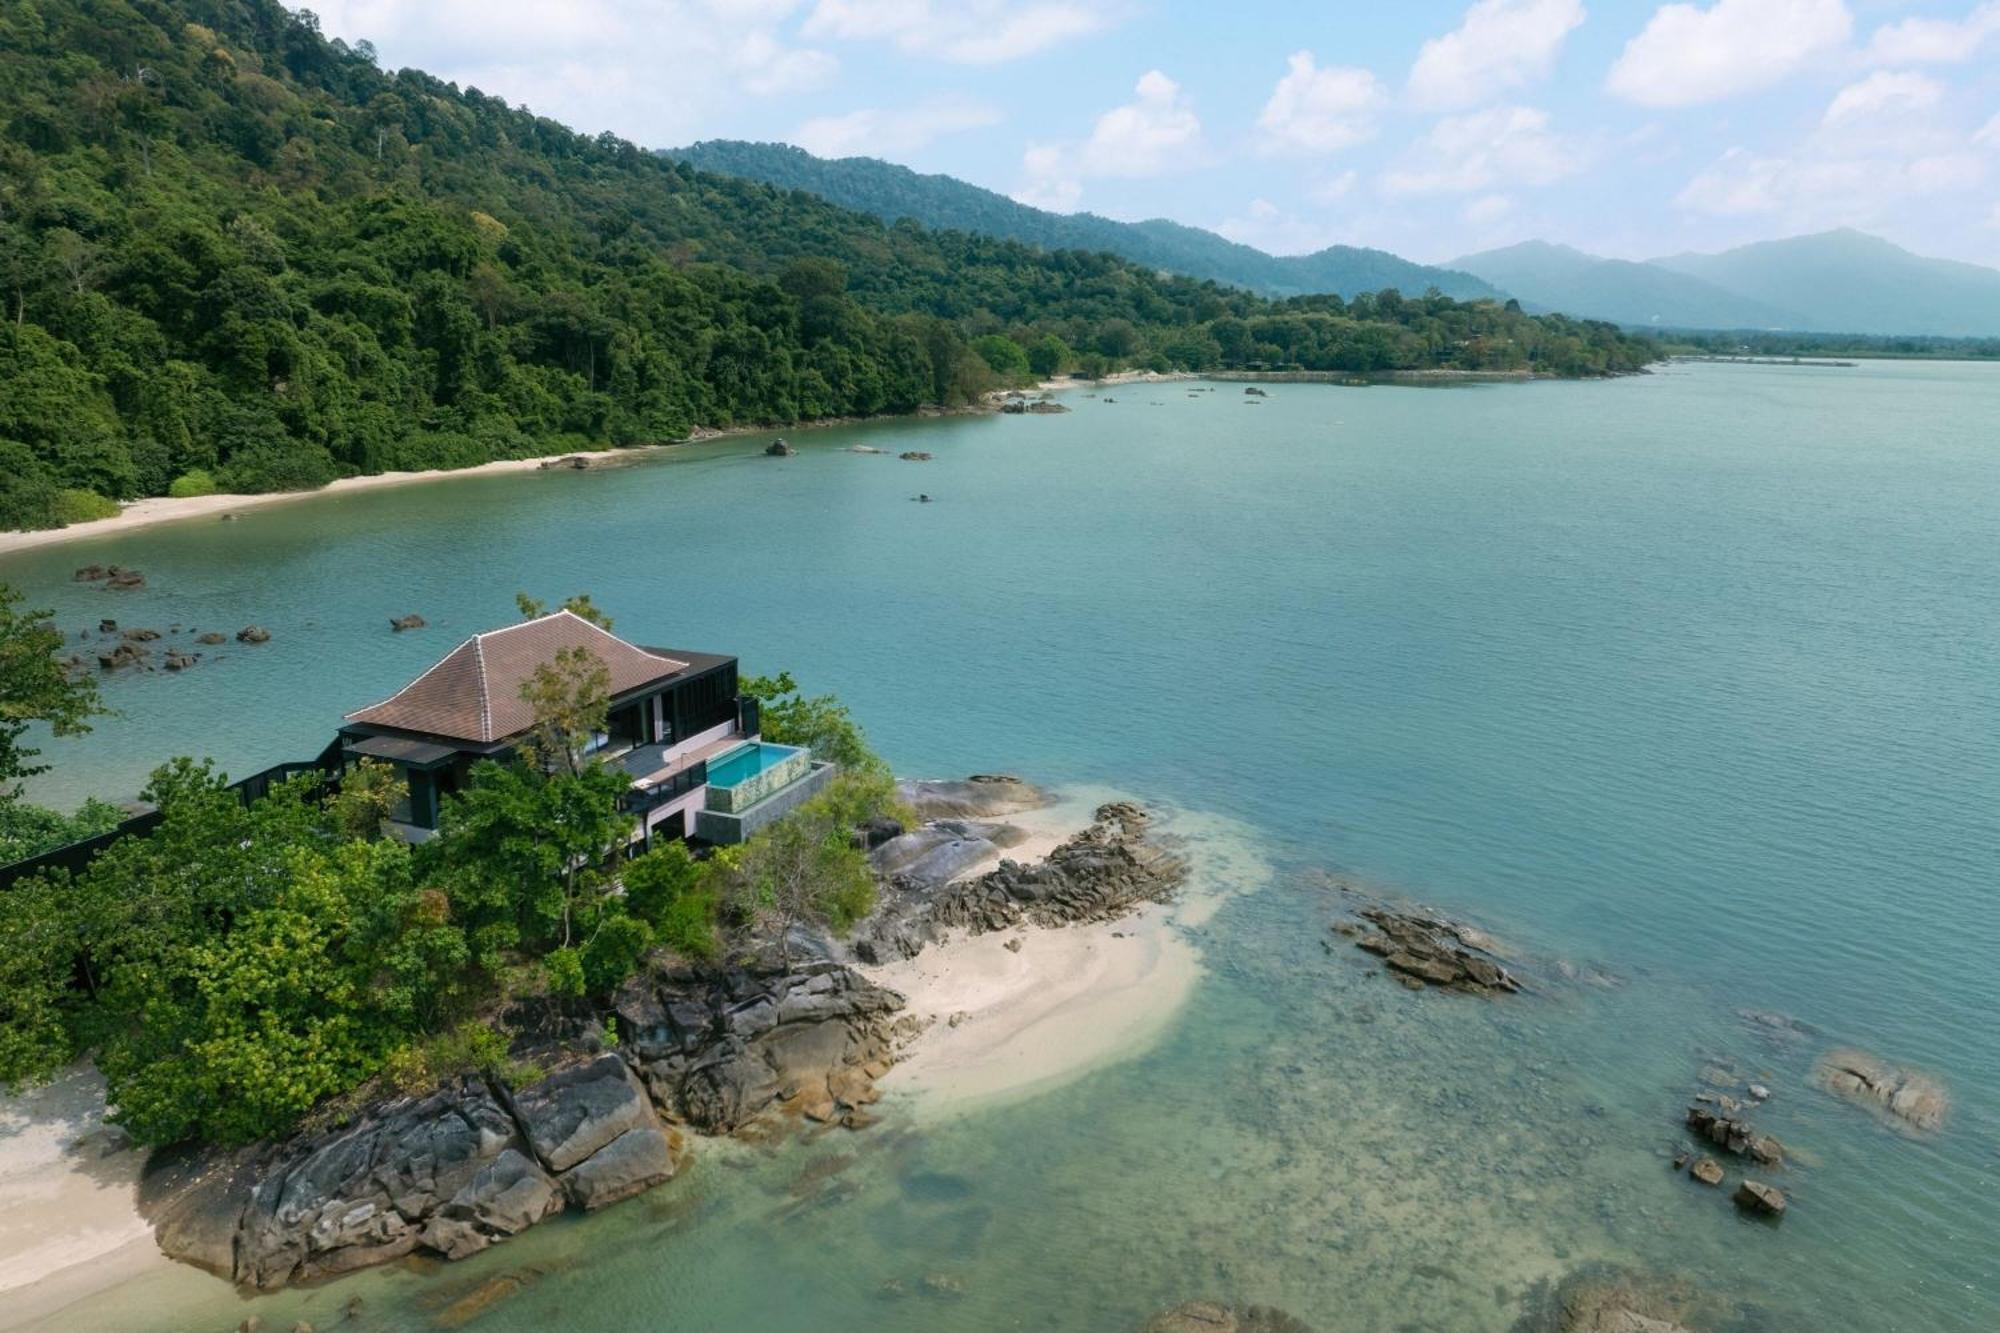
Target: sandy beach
x,y
165,509
69,1218
1017,1012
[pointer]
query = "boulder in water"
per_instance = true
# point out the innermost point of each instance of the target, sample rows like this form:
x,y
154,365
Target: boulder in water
x,y
253,634
1902,1097
401,623
778,449
1754,1196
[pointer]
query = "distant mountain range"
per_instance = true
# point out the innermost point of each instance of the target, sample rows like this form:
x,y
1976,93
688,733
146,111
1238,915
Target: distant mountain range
x,y
1832,282
892,192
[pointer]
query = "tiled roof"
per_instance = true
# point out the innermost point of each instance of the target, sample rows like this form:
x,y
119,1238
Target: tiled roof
x,y
474,693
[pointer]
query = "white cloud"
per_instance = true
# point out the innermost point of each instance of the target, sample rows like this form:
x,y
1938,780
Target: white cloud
x,y
1688,55
970,32
1334,188
1488,209
1928,41
879,132
1157,131
1274,231
1499,146
1315,110
1884,144
1881,94
1501,45
651,70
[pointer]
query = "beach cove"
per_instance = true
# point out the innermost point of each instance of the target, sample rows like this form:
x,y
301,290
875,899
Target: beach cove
x,y
1617,671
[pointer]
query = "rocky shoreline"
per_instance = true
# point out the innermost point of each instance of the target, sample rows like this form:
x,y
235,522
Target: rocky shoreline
x,y
750,1051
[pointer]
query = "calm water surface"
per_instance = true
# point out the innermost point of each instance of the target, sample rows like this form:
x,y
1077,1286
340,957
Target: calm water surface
x,y
1691,679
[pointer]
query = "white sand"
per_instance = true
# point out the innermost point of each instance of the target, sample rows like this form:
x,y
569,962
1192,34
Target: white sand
x,y
1069,1000
69,1219
165,509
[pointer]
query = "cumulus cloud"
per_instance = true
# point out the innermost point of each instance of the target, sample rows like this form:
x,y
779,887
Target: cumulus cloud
x,y
880,132
1500,45
1502,146
1883,144
1157,131
646,69
971,32
1314,110
1688,55
1881,94
1928,41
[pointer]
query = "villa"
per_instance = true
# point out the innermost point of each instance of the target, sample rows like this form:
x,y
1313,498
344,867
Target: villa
x,y
677,725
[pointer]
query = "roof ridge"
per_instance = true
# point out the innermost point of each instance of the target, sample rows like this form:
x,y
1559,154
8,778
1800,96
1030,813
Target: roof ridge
x,y
485,694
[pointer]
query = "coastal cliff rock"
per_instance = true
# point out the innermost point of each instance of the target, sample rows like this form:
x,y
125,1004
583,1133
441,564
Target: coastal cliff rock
x,y
812,1041
476,1160
1901,1097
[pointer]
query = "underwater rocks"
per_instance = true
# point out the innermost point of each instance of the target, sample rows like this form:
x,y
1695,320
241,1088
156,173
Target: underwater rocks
x,y
915,456
1901,1097
1423,948
459,1169
1603,1299
111,576
1208,1317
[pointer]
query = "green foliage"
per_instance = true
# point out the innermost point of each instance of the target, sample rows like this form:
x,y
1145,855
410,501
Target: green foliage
x,y
580,605
1006,357
274,262
820,722
805,868
678,896
473,1046
29,830
191,484
78,506
34,688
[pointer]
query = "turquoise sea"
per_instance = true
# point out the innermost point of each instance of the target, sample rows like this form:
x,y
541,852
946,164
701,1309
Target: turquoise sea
x,y
1689,682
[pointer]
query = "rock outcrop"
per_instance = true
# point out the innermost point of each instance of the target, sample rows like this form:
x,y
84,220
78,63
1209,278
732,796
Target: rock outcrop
x,y
1902,1097
1423,948
811,1042
778,449
253,634
1101,873
981,796
401,623
477,1160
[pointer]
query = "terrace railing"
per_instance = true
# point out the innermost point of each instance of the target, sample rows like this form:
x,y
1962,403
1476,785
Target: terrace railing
x,y
642,799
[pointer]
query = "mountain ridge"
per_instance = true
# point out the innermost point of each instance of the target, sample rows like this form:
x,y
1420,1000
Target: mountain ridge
x,y
893,192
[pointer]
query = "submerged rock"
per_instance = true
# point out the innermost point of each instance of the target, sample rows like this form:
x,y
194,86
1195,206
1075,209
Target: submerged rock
x,y
1603,1299
1903,1097
1424,948
915,456
1209,1317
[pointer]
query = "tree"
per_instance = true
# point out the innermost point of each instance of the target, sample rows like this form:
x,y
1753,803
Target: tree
x,y
34,688
571,700
579,605
1049,356
804,869
820,722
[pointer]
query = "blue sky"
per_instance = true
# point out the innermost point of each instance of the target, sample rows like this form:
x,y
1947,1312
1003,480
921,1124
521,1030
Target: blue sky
x,y
1619,126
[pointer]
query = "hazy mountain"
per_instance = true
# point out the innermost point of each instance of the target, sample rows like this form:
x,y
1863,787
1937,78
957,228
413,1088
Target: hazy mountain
x,y
893,192
1833,282
1558,277
1850,282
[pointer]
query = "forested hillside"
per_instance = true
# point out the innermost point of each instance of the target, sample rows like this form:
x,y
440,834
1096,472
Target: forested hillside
x,y
236,255
893,193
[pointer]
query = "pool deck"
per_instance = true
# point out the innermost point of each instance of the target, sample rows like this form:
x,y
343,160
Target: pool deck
x,y
650,765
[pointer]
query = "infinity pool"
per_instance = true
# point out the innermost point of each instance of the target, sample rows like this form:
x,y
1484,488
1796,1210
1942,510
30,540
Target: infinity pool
x,y
747,761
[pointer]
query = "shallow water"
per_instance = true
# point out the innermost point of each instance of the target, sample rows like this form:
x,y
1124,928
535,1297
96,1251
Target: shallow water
x,y
1687,679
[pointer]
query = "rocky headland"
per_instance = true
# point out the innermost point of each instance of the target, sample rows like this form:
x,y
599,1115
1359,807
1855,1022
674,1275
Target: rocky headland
x,y
587,1121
